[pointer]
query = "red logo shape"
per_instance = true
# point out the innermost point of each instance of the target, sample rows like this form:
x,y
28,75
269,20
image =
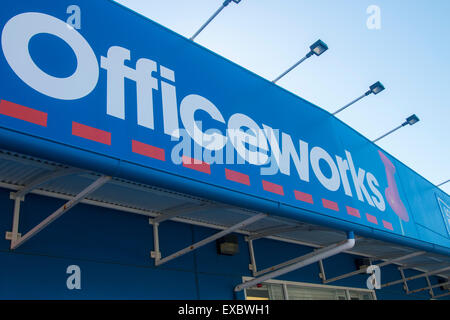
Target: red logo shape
x,y
391,192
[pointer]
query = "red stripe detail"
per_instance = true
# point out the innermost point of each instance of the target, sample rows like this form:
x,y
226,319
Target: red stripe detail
x,y
148,150
197,165
371,218
353,212
388,225
23,113
90,133
272,187
330,205
305,197
237,177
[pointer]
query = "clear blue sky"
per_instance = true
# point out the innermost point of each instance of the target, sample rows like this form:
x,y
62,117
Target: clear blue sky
x,y
410,55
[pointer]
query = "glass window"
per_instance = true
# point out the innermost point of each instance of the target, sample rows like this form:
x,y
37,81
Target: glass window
x,y
268,291
360,295
312,293
292,291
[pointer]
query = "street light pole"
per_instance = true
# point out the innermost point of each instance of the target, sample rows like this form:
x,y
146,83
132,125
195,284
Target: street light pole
x,y
291,68
215,14
441,184
351,103
317,48
376,88
386,134
410,120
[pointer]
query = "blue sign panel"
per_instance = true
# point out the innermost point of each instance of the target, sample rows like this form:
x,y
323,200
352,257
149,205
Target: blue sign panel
x,y
91,84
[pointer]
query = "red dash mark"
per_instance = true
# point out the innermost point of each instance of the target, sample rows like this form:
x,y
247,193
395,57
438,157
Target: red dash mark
x,y
197,165
371,218
330,205
305,197
272,187
148,150
23,113
90,133
353,212
237,177
388,225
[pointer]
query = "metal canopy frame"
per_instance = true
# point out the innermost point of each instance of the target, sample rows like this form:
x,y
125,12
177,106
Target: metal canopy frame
x,y
51,179
156,254
16,238
404,279
20,194
364,270
429,287
300,262
399,261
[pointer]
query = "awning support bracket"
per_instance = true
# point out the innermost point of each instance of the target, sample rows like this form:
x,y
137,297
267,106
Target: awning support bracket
x,y
17,239
156,253
429,287
263,234
442,295
300,262
20,194
414,277
180,210
363,270
405,283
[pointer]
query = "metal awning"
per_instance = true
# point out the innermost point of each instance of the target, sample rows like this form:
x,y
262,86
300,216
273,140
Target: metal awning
x,y
24,174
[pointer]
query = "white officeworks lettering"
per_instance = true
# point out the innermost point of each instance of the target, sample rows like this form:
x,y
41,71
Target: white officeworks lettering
x,y
254,137
117,71
189,105
169,102
16,36
282,159
358,180
332,183
378,199
343,168
252,143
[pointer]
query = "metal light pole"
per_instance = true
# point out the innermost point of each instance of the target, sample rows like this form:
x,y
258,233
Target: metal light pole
x,y
376,88
226,3
410,120
441,184
317,48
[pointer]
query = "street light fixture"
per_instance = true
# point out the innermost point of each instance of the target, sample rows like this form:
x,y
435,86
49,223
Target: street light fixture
x,y
317,48
375,89
226,3
410,120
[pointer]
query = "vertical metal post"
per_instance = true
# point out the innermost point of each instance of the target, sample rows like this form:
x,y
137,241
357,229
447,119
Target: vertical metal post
x,y
156,254
405,285
322,272
252,256
15,225
430,287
